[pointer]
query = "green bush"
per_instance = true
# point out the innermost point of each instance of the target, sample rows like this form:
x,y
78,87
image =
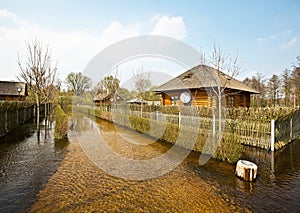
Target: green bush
x,y
229,149
61,125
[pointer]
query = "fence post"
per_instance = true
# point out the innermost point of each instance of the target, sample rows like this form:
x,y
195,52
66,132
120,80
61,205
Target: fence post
x,y
291,129
17,117
179,119
24,114
272,134
6,120
214,125
156,115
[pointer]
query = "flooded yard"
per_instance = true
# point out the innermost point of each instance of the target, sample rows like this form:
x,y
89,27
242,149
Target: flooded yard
x,y
79,185
26,166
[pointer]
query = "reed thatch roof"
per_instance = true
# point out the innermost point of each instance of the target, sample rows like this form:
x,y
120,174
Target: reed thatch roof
x,y
102,96
203,76
136,101
106,97
9,88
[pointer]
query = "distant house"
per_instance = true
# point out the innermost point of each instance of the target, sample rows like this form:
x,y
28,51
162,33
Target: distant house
x,y
137,101
145,102
13,91
106,98
196,86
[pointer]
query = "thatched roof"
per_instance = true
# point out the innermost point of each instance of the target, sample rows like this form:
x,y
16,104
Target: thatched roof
x,y
136,101
203,76
102,96
9,88
105,96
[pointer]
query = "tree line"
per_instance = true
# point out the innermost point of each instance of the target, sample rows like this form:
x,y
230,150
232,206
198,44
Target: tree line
x,y
39,72
278,90
78,84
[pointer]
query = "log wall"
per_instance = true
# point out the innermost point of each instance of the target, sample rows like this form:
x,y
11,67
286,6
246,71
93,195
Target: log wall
x,y
202,99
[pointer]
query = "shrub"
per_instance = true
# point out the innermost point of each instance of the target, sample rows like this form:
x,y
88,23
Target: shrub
x,y
229,149
61,125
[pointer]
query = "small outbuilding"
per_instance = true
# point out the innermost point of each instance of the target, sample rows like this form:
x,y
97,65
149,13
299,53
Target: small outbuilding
x,y
13,91
106,98
137,101
198,86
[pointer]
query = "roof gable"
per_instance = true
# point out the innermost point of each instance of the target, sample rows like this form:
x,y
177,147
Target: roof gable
x,y
9,88
203,76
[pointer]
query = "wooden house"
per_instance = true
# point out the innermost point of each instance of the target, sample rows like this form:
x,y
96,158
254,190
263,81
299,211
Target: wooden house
x,y
13,91
199,86
137,101
106,98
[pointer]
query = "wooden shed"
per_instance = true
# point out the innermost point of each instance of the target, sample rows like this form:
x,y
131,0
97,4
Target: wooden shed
x,y
13,91
199,85
106,98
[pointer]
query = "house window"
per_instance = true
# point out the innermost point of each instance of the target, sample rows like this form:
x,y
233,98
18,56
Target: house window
x,y
231,101
174,100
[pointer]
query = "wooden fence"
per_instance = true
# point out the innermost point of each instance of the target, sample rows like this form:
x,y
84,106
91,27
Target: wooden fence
x,y
14,114
287,128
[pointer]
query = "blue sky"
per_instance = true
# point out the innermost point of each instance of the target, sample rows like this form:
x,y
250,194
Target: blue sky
x,y
266,34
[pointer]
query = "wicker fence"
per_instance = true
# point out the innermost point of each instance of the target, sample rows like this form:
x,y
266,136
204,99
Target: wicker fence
x,y
251,125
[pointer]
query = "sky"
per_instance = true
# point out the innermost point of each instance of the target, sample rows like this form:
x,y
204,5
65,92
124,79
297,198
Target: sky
x,y
265,34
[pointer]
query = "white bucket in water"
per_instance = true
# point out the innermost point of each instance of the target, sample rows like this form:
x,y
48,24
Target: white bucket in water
x,y
246,170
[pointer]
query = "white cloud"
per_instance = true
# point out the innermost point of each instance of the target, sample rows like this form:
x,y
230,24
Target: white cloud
x,y
292,42
73,50
7,15
269,38
274,36
170,26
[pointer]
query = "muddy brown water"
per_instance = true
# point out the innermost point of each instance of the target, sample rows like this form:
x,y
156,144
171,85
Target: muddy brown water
x,y
27,166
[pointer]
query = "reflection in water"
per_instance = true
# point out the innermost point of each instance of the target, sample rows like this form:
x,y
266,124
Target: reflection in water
x,y
80,186
276,188
26,165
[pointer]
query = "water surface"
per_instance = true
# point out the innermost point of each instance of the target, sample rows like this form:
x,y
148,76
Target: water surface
x,y
26,165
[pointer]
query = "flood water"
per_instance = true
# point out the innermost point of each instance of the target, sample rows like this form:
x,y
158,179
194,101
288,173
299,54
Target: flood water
x,y
277,188
26,166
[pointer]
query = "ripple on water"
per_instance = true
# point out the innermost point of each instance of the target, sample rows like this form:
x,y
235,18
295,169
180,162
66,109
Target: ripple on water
x,y
25,167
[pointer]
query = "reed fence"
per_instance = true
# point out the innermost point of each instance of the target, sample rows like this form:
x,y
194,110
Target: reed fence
x,y
250,131
252,126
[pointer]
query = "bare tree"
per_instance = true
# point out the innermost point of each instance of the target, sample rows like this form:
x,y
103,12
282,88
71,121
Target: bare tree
x,y
273,87
296,82
39,73
286,86
223,63
258,83
142,84
225,69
